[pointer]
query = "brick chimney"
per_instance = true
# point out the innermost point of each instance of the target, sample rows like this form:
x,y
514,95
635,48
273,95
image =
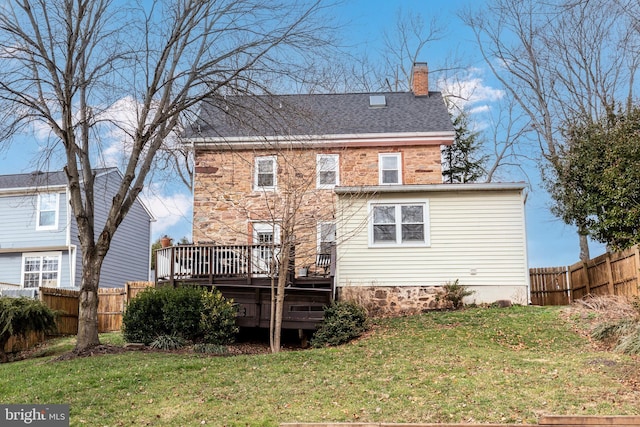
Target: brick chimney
x,y
420,79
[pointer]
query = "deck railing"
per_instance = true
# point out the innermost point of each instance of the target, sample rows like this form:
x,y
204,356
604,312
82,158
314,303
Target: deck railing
x,y
201,261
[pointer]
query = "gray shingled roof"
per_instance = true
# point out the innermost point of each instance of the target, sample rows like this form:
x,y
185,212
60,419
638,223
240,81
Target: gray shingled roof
x,y
321,114
33,180
36,179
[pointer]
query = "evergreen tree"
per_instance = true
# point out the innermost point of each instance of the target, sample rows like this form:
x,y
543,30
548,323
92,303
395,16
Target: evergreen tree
x,y
463,162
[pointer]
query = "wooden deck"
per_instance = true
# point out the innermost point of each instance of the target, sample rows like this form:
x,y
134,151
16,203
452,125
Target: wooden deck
x,y
245,273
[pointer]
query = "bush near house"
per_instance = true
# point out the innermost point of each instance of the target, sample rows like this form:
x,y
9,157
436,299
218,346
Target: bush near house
x,y
343,321
453,293
21,316
188,313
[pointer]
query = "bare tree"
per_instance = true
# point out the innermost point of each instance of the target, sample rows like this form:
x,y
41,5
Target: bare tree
x,y
559,60
64,65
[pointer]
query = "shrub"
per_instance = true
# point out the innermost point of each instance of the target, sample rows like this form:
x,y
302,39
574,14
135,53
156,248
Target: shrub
x,y
20,316
218,318
143,320
182,311
630,343
189,313
342,322
168,342
454,293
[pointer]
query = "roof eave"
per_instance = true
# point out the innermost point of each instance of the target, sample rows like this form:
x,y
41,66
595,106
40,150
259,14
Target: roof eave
x,y
431,188
31,189
342,140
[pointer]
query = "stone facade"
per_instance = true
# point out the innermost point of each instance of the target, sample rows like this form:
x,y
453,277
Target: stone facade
x,y
394,300
226,206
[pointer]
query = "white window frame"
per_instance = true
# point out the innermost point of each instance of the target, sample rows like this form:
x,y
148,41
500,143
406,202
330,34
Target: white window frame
x,y
41,256
56,211
263,257
256,174
398,204
320,161
321,235
381,170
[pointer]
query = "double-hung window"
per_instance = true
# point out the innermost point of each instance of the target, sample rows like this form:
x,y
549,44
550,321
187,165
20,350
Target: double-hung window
x,y
47,211
265,173
41,269
402,224
327,170
390,168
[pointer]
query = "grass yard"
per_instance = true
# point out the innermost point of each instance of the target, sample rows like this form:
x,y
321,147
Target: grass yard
x,y
506,365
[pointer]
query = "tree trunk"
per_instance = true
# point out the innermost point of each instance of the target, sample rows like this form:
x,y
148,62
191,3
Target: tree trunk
x,y
584,246
88,304
283,273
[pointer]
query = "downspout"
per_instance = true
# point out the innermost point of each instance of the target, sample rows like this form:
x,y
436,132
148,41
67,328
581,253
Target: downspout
x,y
526,252
193,189
70,247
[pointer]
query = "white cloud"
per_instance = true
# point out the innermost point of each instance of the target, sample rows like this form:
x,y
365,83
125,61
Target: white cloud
x,y
170,210
468,89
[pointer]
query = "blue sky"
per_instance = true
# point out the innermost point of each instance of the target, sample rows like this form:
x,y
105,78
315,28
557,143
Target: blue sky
x,y
550,242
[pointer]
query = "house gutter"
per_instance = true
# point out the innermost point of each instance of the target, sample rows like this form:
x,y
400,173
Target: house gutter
x,y
31,190
337,140
431,188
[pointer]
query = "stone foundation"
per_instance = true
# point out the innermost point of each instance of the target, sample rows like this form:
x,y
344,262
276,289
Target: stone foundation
x,y
394,300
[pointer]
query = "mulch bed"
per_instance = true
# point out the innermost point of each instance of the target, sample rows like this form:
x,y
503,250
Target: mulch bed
x,y
235,349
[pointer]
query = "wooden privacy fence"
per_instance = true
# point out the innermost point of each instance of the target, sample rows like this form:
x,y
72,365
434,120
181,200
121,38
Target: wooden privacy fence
x,y
608,274
111,305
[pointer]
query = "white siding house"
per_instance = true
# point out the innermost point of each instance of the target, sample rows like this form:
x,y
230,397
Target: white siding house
x,y
410,240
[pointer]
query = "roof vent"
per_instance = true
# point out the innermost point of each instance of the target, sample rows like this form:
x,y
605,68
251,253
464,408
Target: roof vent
x,y
377,101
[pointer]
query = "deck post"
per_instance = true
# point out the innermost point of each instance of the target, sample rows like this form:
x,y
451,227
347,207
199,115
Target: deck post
x,y
172,269
211,264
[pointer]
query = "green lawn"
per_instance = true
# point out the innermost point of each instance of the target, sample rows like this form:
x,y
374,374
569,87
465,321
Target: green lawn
x,y
478,365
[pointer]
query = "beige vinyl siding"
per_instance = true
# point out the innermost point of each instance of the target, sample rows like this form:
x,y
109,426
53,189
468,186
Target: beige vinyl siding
x,y
477,237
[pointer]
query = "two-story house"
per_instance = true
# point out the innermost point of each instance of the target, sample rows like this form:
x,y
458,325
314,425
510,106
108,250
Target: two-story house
x,y
39,243
361,171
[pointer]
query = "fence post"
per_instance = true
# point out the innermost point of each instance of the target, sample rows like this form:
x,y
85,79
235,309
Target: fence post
x,y
636,258
610,284
587,281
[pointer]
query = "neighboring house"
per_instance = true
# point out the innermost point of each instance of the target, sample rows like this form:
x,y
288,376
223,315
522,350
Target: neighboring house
x,y
362,172
39,243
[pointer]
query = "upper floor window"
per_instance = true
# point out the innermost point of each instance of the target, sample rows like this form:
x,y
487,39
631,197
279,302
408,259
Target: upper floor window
x,y
41,269
265,176
390,170
399,224
47,211
327,170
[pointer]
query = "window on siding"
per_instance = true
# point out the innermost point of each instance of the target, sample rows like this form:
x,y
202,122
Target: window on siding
x,y
326,237
399,224
265,173
47,211
327,170
390,171
41,270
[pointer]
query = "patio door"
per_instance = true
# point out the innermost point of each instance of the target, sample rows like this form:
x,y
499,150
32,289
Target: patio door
x,y
266,241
